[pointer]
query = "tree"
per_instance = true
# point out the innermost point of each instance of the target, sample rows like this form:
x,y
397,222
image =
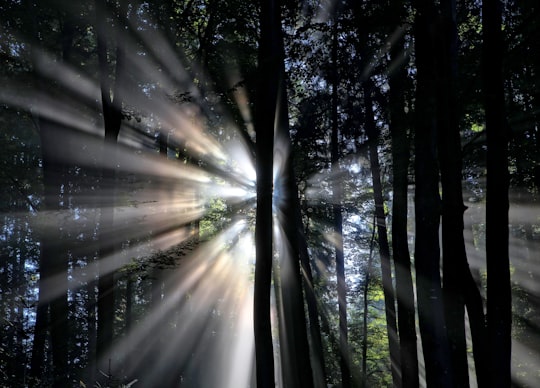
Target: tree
x,y
459,288
400,247
296,363
111,101
382,236
267,100
345,362
499,300
52,310
427,204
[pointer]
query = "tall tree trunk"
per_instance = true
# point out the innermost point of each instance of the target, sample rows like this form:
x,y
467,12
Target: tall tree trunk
x,y
157,272
458,284
382,237
42,310
267,99
112,119
290,274
53,284
449,156
90,372
365,314
499,300
318,364
427,205
52,309
40,333
345,364
400,244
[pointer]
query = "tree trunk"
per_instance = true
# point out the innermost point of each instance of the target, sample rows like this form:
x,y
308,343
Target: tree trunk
x,y
52,309
366,308
345,364
267,98
427,205
299,367
112,120
449,156
90,373
458,286
38,345
499,300
382,237
53,284
400,244
318,365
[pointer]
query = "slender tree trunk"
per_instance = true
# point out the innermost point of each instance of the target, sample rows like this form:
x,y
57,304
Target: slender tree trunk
x,y
366,308
382,237
290,274
267,99
157,272
449,156
459,288
318,364
112,119
42,310
53,282
52,309
400,244
499,299
38,345
345,364
427,205
91,322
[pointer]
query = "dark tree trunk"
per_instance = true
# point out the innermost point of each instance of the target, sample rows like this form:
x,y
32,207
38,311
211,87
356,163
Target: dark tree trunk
x,y
112,119
318,364
459,287
90,372
453,244
52,310
53,284
365,313
157,272
400,245
382,237
499,300
40,334
345,363
299,365
427,205
267,98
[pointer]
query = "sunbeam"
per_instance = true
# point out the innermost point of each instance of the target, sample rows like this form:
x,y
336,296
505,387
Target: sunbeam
x,y
201,300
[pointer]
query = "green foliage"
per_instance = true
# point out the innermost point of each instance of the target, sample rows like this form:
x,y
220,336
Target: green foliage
x,y
214,219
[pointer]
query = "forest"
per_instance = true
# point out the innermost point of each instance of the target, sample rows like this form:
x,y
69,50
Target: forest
x,y
297,194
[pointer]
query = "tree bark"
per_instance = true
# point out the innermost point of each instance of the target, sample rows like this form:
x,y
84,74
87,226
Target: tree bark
x,y
499,299
400,245
365,313
318,364
382,238
52,310
299,367
459,288
265,113
427,205
345,363
53,284
112,120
